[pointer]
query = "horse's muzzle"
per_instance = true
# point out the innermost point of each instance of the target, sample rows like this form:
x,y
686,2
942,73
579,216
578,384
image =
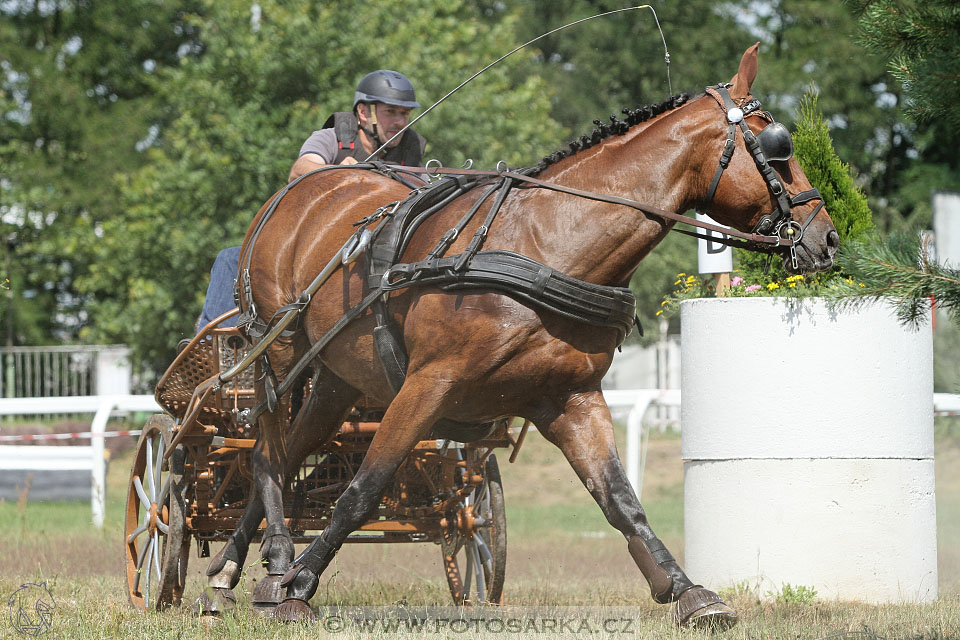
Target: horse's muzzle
x,y
815,252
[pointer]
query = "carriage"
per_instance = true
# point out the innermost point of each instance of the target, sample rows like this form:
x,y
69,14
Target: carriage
x,y
446,493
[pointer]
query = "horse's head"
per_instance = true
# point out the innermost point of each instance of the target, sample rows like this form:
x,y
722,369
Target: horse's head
x,y
757,185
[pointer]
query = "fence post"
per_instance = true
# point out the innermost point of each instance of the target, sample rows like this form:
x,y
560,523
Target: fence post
x,y
113,371
98,496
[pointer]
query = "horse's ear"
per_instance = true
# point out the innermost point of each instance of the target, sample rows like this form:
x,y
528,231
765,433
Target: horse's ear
x,y
745,74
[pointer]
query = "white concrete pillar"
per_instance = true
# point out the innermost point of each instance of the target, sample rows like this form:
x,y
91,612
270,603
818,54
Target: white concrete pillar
x,y
808,449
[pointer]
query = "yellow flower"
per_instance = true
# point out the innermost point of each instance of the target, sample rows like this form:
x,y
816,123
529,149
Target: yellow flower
x,y
678,282
862,285
772,286
659,312
793,284
663,304
680,275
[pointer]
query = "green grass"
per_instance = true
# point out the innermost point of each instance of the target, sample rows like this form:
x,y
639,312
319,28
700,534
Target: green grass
x,y
561,553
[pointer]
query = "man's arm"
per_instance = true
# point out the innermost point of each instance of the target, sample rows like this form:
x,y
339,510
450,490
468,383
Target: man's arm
x,y
314,153
305,163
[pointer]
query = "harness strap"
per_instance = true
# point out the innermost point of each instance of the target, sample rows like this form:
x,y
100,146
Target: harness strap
x,y
761,240
481,233
454,232
728,148
249,416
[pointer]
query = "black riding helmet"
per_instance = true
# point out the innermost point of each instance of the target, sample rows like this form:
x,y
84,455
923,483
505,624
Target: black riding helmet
x,y
388,87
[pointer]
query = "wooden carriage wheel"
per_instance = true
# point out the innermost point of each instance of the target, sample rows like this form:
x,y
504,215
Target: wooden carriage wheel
x,y
475,538
156,543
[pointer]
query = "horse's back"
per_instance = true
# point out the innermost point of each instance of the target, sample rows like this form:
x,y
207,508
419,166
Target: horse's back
x,y
308,226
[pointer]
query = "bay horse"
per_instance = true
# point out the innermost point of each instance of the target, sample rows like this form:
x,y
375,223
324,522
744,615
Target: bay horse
x,y
479,356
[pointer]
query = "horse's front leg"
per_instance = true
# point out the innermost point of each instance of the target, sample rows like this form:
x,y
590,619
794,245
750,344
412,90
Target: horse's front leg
x,y
407,421
583,430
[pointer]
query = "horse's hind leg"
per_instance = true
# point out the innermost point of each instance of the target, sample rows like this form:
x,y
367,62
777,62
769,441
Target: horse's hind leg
x,y
584,432
316,422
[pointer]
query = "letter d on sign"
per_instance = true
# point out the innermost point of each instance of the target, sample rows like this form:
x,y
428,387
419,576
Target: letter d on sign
x,y
713,257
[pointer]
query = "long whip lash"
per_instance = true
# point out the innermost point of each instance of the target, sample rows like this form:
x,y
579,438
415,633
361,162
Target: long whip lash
x,y
666,57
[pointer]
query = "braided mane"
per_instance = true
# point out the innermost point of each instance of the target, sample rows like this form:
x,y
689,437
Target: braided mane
x,y
616,127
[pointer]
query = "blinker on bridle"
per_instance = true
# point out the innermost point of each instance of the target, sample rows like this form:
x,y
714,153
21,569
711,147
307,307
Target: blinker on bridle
x,y
773,143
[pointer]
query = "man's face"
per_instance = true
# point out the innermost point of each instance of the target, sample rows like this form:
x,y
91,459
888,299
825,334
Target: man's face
x,y
390,119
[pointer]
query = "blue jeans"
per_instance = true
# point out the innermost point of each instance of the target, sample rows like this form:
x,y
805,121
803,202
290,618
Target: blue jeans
x,y
220,292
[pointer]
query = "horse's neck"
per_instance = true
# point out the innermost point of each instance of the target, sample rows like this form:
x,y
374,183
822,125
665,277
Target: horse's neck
x,y
599,242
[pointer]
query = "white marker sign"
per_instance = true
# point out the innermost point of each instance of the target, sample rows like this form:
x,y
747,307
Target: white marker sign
x,y
713,257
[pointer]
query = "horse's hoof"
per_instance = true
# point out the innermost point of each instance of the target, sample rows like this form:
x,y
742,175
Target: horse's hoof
x,y
701,608
293,610
215,601
267,595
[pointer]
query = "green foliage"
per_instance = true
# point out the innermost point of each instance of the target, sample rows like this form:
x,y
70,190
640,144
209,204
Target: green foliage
x,y
896,269
825,171
237,113
799,594
75,99
921,40
843,200
796,286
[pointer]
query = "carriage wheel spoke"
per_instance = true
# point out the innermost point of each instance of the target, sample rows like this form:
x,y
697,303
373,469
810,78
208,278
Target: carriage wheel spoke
x,y
145,572
156,554
468,574
136,532
164,491
145,501
478,569
161,449
485,554
149,473
140,557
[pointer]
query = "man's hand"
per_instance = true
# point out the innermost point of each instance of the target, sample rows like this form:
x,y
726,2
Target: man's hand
x,y
350,160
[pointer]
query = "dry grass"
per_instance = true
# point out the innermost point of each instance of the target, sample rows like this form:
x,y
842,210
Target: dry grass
x,y
561,553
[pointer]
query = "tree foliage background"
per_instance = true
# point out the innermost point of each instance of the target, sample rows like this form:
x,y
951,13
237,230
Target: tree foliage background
x,y
139,137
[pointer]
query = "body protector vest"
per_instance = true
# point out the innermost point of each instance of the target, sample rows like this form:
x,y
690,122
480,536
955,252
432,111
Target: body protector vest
x,y
345,124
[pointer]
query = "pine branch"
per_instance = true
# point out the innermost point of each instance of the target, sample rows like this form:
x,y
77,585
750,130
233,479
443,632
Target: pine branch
x,y
896,270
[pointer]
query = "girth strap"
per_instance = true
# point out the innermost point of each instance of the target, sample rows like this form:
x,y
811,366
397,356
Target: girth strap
x,y
524,279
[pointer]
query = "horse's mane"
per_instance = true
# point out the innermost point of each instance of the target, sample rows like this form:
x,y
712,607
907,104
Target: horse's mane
x,y
616,127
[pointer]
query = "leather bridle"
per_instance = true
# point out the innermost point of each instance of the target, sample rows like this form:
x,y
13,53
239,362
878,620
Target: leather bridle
x,y
779,223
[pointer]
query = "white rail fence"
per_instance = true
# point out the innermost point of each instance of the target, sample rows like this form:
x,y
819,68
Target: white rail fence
x,y
37,459
56,371
90,458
